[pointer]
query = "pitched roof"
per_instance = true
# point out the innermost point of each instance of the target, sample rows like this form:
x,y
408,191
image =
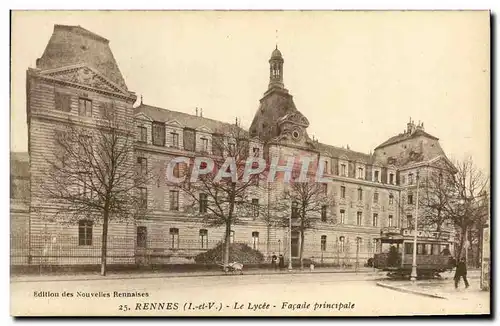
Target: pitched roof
x,y
188,120
338,152
71,45
405,136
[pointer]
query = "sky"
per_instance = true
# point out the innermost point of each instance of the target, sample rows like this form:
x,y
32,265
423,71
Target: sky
x,y
357,76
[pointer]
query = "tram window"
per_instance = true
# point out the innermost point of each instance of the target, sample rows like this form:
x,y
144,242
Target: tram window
x,y
435,249
428,249
408,248
420,249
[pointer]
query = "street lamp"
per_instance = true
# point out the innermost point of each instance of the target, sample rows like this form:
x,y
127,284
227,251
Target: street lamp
x,y
413,276
290,245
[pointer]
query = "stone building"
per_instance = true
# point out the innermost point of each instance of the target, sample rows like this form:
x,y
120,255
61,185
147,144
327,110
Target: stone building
x,y
77,76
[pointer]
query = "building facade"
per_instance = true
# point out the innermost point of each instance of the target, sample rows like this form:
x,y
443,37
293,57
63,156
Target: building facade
x,y
78,78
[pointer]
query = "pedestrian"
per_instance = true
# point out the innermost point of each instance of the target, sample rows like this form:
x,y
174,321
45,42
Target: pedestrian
x,y
274,261
282,262
461,271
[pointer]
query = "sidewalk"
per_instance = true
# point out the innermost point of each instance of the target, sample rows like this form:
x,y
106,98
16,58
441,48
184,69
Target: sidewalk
x,y
85,276
443,289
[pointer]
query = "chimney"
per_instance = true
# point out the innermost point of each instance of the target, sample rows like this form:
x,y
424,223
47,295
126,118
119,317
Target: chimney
x,y
201,112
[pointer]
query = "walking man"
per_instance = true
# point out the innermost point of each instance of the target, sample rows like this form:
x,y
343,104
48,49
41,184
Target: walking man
x,y
274,261
461,271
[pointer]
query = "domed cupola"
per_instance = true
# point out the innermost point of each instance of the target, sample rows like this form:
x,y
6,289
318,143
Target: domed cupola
x,y
276,69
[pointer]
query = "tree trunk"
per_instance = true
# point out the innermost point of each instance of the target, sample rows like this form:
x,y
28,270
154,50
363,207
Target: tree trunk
x,y
227,244
301,249
104,244
463,233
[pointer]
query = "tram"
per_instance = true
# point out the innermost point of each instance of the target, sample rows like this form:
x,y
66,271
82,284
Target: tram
x,y
394,253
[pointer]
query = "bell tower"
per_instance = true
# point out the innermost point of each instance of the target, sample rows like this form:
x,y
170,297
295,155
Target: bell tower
x,y
276,69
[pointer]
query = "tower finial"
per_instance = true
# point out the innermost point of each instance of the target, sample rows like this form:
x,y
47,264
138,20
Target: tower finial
x,y
276,39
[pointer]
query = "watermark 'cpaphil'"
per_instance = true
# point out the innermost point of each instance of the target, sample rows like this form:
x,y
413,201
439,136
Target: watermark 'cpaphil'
x,y
303,169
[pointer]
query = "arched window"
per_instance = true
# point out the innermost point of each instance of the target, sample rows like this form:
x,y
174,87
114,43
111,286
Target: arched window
x,y
342,244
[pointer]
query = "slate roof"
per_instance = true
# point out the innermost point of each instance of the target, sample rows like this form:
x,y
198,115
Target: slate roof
x,y
338,152
72,45
187,120
405,136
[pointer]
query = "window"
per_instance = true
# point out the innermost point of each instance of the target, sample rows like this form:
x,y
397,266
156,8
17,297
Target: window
x,y
409,221
142,133
428,248
142,165
174,236
326,167
359,218
255,207
63,102
391,199
376,176
323,243
295,210
375,219
174,200
410,198
360,194
85,233
204,144
176,170
359,240
84,107
342,244
342,216
403,180
390,220
343,170
391,178
435,249
142,234
375,197
408,248
361,173
143,197
175,139
323,213
420,249
342,192
158,133
374,245
410,178
203,203
85,185
204,238
255,240
108,111
256,151
231,237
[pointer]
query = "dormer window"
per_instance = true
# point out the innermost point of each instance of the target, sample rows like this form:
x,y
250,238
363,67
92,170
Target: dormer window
x,y
325,170
391,178
343,170
376,176
204,144
410,178
361,173
142,133
175,139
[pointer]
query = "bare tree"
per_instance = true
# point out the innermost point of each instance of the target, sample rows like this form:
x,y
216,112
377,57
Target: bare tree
x,y
93,175
223,201
467,205
308,200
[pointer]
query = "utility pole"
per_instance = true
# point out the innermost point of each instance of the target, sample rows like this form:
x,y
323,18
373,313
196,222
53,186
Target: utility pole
x,y
413,276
